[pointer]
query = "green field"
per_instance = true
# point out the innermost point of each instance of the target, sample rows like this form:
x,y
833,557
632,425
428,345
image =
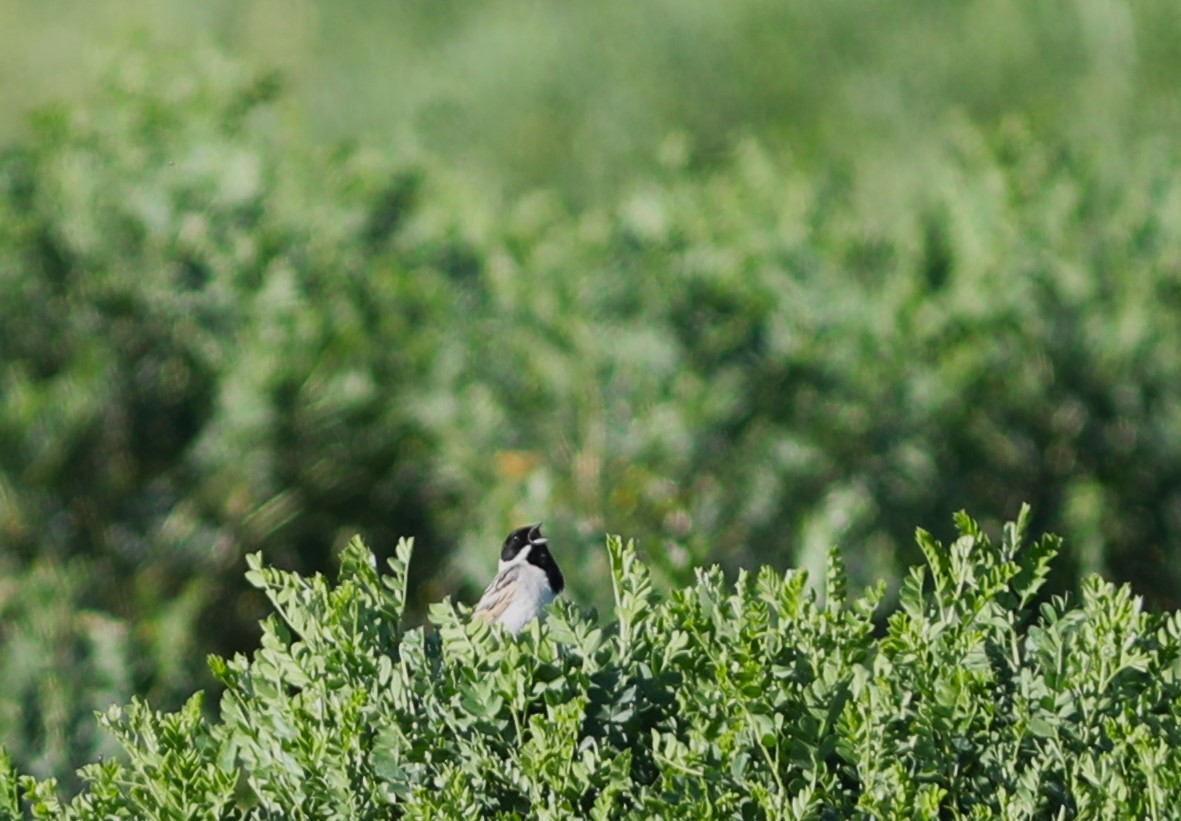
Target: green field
x,y
741,281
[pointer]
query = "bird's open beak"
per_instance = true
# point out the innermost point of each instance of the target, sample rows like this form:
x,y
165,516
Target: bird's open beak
x,y
535,534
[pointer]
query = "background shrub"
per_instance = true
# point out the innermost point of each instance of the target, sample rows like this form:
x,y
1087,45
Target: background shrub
x,y
446,272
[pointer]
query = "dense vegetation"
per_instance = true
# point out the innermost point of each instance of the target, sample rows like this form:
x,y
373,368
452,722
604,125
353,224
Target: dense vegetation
x,y
751,700
849,284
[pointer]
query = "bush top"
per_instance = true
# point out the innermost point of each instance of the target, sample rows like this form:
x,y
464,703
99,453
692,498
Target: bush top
x,y
764,698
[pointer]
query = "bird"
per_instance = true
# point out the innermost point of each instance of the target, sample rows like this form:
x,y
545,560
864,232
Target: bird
x,y
527,579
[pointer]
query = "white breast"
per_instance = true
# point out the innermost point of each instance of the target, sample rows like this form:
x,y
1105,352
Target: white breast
x,y
532,595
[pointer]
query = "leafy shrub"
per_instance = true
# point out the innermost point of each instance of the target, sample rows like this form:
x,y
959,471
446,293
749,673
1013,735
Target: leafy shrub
x,y
216,338
757,699
189,325
755,364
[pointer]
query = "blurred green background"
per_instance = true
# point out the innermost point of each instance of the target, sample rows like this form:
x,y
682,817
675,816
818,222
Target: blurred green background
x,y
741,280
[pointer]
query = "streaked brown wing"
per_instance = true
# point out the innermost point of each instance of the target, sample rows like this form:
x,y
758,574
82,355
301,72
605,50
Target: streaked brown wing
x,y
498,595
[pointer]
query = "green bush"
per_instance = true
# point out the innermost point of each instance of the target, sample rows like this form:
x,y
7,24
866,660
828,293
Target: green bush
x,y
756,699
218,338
752,365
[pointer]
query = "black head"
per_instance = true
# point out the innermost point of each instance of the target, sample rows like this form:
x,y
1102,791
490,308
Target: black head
x,y
539,555
518,540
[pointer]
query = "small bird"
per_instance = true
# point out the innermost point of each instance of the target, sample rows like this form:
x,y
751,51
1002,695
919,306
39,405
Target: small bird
x,y
527,579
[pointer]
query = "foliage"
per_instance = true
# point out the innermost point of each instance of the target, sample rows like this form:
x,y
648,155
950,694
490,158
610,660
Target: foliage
x,y
186,329
218,337
753,365
194,360
757,699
